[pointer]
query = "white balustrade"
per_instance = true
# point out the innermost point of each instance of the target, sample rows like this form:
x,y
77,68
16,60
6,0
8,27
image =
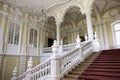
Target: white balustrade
x,y
47,50
69,60
41,71
86,49
69,47
57,65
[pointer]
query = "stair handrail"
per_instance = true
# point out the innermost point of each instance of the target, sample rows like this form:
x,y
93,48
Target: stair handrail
x,y
44,66
47,50
66,47
69,47
57,65
72,58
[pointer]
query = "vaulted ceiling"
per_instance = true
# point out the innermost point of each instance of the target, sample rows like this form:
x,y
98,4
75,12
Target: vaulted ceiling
x,y
100,7
35,6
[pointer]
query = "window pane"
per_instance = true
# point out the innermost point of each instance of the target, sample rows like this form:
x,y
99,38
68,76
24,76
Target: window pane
x,y
117,26
35,38
11,33
16,37
31,37
118,37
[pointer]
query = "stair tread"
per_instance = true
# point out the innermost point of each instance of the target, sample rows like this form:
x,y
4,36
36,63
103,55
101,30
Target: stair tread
x,y
106,62
103,70
76,72
102,73
93,77
108,67
71,75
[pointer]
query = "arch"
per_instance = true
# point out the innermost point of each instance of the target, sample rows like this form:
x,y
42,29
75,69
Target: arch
x,y
51,19
68,8
6,62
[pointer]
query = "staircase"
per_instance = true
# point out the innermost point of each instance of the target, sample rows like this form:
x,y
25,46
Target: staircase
x,y
75,73
61,62
105,67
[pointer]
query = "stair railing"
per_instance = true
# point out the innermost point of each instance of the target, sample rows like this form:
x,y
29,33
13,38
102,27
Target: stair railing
x,y
65,48
40,71
47,50
69,47
58,65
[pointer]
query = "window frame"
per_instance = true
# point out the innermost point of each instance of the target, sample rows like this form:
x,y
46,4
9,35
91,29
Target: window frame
x,y
114,33
33,39
14,33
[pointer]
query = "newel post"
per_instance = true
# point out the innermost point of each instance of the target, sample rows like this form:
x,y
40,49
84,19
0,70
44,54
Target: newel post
x,y
95,43
78,41
55,63
30,64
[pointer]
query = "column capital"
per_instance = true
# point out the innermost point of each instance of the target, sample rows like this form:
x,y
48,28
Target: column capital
x,y
87,11
58,23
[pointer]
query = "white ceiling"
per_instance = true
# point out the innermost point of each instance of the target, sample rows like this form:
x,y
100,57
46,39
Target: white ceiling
x,y
35,5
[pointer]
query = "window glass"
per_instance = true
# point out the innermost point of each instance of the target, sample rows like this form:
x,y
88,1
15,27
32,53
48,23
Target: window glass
x,y
117,32
14,31
33,38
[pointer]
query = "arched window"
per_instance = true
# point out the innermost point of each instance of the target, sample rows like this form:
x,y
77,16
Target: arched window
x,y
14,32
116,28
33,38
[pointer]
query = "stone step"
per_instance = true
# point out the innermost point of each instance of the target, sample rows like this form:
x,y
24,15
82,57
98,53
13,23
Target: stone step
x,y
75,73
71,76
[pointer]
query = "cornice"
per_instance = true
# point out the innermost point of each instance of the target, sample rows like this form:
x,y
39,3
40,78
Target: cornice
x,y
17,18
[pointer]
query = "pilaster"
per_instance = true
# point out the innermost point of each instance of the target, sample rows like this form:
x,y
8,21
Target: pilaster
x,y
38,42
2,27
23,51
105,36
24,44
41,40
101,35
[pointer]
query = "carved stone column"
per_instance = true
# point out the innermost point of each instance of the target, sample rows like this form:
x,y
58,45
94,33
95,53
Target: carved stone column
x,y
58,24
89,24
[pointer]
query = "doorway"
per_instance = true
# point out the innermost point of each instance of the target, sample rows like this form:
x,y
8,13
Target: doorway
x,y
50,42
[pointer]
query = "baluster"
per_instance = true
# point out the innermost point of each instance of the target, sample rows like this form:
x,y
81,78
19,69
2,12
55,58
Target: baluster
x,y
30,64
35,74
14,74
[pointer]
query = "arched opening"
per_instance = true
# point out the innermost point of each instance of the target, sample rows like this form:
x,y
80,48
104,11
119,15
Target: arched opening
x,y
74,23
51,30
102,17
